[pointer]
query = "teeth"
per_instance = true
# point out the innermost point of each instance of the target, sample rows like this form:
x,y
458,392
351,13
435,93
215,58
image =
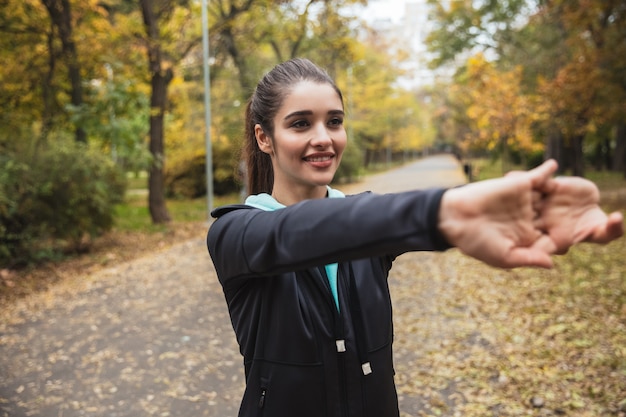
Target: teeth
x,y
319,159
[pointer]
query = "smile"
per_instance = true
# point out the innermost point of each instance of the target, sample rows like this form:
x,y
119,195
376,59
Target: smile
x,y
318,158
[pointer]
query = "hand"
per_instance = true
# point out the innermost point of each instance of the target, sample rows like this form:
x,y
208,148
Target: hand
x,y
570,214
497,221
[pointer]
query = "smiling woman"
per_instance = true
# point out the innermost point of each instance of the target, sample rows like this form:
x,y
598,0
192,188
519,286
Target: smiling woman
x,y
307,98
304,268
307,142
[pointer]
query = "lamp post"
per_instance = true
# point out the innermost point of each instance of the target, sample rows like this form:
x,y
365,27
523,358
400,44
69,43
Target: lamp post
x,y
207,108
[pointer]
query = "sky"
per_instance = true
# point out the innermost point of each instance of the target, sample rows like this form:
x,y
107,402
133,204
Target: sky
x,y
385,9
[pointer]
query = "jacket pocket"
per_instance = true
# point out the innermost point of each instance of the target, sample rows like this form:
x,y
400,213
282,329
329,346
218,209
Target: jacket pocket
x,y
286,391
262,396
380,397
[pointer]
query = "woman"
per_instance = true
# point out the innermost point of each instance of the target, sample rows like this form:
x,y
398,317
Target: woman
x,y
304,270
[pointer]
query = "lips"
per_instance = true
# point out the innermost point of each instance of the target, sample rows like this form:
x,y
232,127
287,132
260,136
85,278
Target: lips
x,y
319,160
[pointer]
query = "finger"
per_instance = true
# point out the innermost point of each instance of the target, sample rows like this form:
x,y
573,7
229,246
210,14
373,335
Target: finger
x,y
616,225
541,175
547,245
525,257
514,173
612,229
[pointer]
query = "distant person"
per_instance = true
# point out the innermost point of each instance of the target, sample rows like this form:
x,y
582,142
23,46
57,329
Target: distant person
x,y
304,270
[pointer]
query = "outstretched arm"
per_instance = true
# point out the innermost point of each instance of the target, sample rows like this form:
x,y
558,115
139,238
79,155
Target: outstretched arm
x,y
522,219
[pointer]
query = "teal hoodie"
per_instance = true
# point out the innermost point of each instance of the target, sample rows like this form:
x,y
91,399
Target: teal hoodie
x,y
266,202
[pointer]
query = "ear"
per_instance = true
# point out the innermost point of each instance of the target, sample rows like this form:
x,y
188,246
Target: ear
x,y
263,140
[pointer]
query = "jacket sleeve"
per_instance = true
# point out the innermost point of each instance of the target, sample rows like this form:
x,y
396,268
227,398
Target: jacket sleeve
x,y
245,242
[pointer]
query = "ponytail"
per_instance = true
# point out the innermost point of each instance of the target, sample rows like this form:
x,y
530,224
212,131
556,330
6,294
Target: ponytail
x,y
259,171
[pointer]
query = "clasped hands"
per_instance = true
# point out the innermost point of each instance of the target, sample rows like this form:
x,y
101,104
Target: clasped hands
x,y
524,218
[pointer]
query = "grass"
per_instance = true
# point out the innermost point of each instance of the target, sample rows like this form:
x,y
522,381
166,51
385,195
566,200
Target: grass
x,y
134,215
484,168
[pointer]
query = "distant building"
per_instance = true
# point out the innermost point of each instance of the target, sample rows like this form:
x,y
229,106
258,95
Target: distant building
x,y
409,33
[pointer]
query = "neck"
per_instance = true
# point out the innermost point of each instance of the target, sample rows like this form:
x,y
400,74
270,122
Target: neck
x,y
293,196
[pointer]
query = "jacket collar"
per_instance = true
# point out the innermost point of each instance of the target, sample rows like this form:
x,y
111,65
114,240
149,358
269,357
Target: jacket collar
x,y
266,202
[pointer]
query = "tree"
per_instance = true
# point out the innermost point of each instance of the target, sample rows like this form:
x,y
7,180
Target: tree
x,y
572,54
38,41
312,28
224,15
588,89
502,115
378,110
26,95
164,48
61,18
473,26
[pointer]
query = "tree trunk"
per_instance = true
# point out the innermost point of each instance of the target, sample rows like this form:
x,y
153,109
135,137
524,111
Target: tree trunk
x,y
578,162
597,157
160,79
619,155
608,154
555,150
47,92
227,16
506,154
247,85
61,17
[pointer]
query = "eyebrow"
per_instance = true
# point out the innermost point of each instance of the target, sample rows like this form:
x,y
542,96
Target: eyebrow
x,y
309,112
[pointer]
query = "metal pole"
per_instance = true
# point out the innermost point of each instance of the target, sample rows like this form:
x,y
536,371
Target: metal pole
x,y
207,108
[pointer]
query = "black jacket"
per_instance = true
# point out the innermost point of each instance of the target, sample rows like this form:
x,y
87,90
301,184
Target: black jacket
x,y
292,337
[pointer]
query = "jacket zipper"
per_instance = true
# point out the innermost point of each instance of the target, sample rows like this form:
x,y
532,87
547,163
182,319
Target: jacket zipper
x,y
340,336
339,333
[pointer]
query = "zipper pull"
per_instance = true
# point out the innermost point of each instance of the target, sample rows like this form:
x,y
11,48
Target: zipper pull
x,y
341,345
262,399
367,368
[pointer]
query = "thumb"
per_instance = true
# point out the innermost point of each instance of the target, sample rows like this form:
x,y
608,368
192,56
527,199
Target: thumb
x,y
529,257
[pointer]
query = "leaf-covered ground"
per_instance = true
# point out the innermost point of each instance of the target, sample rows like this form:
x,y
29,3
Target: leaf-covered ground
x,y
477,341
113,248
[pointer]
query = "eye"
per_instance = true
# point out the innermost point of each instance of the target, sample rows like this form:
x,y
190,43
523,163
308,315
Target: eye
x,y
335,121
300,124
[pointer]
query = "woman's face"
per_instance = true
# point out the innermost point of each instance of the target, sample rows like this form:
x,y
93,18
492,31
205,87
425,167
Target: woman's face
x,y
309,140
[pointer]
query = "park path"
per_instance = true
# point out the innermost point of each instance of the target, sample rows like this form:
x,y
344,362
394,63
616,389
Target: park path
x,y
152,337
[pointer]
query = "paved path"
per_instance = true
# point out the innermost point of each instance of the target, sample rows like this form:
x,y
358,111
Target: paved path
x,y
152,337
434,171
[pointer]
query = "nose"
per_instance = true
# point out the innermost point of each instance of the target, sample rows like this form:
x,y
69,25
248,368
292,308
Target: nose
x,y
321,136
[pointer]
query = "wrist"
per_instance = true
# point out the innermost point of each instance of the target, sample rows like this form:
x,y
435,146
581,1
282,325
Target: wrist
x,y
449,222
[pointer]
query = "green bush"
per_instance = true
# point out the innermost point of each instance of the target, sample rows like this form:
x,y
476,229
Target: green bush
x,y
185,173
351,163
186,178
53,200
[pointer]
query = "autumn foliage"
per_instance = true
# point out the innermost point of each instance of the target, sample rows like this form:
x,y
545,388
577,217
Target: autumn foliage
x,y
538,76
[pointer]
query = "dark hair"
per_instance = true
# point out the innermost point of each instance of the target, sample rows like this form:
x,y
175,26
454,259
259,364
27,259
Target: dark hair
x,y
262,108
